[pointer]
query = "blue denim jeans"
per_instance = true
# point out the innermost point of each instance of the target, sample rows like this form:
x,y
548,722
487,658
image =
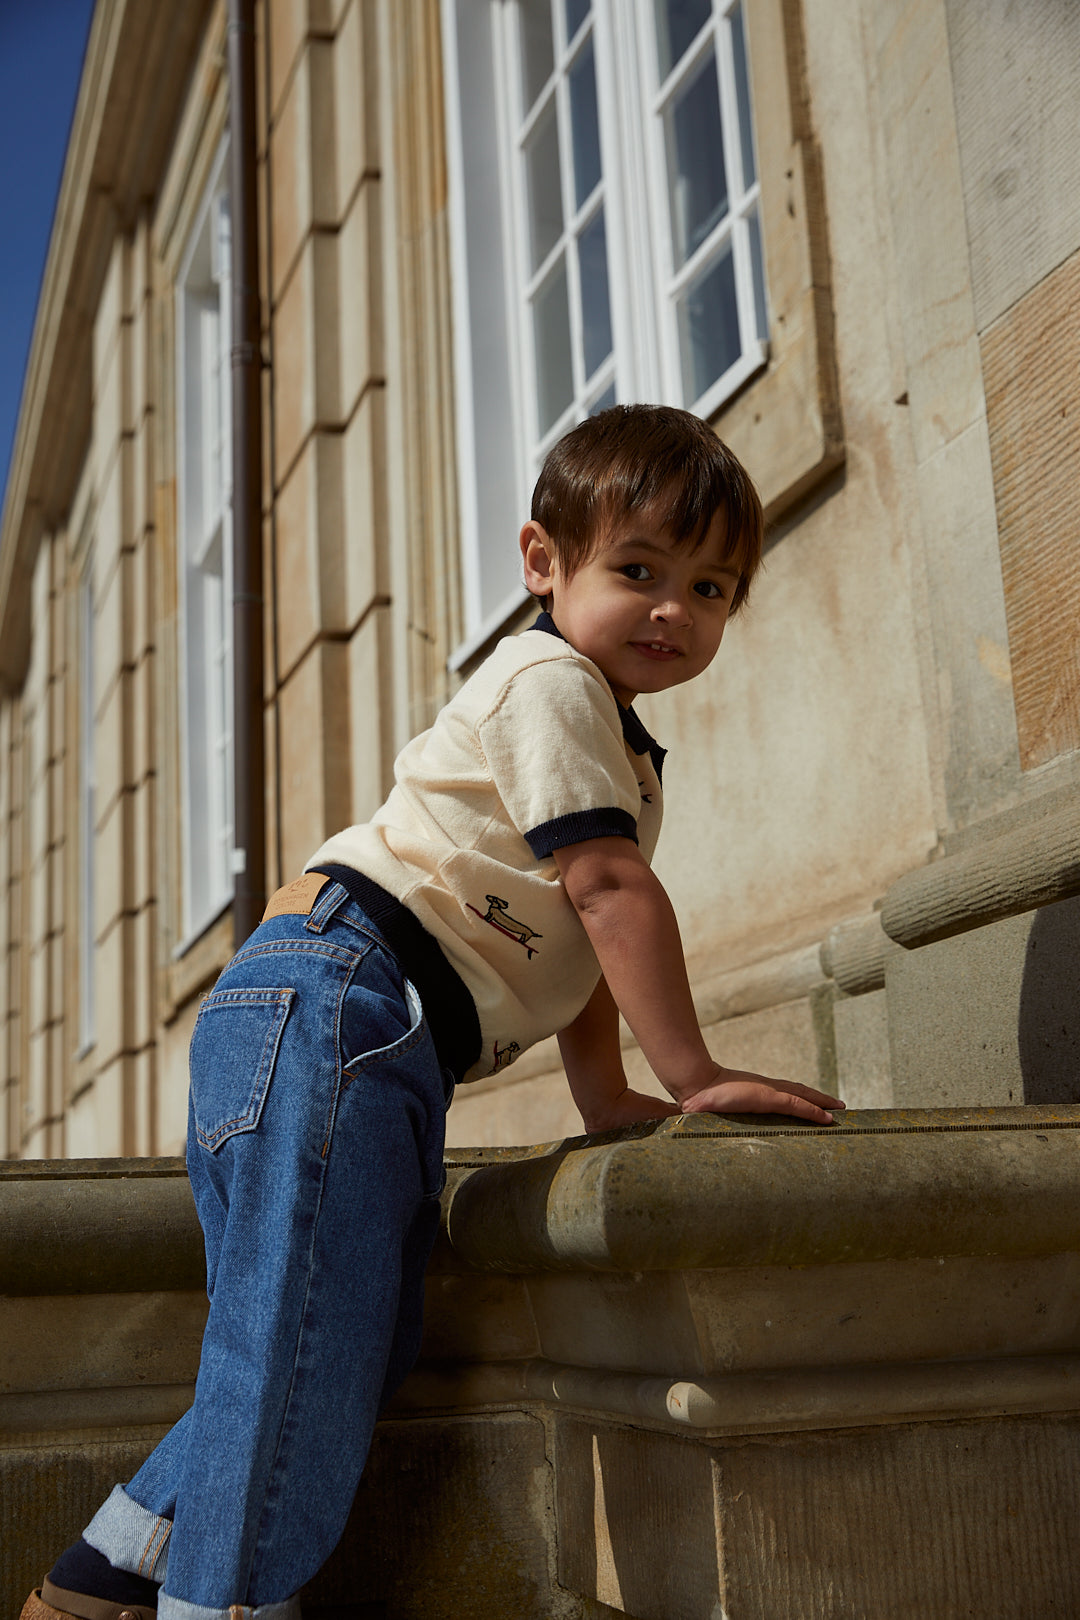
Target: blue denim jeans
x,y
315,1148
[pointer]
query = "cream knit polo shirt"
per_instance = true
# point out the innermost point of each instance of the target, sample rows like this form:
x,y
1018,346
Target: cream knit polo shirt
x,y
531,755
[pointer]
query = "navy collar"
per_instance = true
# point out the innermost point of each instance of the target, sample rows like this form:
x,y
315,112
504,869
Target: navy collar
x,y
634,733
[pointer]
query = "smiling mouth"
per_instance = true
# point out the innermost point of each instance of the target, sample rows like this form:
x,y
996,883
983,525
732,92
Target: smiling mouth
x,y
656,649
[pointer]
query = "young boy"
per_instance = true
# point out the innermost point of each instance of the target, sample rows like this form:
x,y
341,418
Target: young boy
x,y
503,893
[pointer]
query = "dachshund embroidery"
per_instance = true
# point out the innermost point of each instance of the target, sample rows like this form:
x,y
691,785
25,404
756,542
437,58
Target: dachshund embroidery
x,y
498,915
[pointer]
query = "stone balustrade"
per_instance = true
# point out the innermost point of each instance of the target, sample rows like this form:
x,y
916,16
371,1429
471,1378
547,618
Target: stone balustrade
x,y
709,1368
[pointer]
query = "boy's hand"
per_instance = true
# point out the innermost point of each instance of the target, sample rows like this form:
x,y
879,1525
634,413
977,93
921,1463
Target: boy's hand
x,y
627,1108
737,1091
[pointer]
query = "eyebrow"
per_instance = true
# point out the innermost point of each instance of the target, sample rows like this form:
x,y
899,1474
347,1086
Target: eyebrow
x,y
629,543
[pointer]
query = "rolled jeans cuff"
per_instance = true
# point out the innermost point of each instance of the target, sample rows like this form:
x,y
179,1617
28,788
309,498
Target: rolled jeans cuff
x,y
130,1536
170,1608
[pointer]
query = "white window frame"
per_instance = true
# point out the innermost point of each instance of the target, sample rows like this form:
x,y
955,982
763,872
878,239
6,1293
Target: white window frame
x,y
204,559
500,447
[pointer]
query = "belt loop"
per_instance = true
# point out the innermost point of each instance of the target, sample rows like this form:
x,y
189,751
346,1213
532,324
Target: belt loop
x,y
324,908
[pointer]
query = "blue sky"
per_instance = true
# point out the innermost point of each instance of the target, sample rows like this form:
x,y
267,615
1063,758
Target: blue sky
x,y
41,51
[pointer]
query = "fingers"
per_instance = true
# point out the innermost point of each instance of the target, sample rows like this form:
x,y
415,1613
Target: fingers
x,y
753,1094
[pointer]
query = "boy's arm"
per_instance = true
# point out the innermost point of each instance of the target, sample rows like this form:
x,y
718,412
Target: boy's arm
x,y
631,925
592,1057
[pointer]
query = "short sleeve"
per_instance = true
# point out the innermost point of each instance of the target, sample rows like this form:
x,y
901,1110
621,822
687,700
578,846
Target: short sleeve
x,y
553,743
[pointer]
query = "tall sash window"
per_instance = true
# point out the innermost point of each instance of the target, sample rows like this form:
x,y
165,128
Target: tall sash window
x,y
606,232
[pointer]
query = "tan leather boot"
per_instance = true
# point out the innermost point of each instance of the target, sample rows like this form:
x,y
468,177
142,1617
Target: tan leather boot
x,y
53,1603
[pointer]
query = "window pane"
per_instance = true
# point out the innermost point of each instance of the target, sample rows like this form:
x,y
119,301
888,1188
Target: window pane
x,y
708,327
595,305
742,90
544,187
551,334
605,402
585,124
695,148
537,50
757,267
576,13
678,23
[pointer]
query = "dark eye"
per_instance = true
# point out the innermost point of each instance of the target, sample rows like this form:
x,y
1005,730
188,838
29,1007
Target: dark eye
x,y
709,588
636,571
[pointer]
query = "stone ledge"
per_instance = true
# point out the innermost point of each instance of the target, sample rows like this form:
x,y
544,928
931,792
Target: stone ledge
x,y
705,1191
777,1401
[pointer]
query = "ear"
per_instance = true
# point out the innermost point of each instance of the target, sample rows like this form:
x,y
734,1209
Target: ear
x,y
538,559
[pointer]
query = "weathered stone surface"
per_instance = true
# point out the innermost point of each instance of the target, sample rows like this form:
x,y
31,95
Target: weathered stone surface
x,y
991,1016
1033,412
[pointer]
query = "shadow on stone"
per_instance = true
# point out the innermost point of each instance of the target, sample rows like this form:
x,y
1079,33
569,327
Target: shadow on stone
x,y
1049,1026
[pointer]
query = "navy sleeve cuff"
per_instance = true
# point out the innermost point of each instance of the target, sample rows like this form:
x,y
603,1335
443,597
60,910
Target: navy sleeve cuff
x,y
579,826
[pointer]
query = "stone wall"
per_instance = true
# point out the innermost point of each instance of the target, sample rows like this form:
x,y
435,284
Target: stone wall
x,y
716,1365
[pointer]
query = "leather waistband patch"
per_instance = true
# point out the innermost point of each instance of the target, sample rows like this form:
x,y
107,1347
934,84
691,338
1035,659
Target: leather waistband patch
x,y
296,899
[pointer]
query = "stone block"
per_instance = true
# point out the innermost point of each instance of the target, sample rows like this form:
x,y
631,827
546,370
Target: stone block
x,y
864,1074
291,23
449,1519
113,403
370,723
38,1011
114,302
49,1490
39,883
101,1340
991,1016
314,759
302,160
356,104
145,743
114,969
968,624
113,871
306,377
360,301
143,984
366,564
929,233
927,1519
309,568
1033,413
112,1094
114,523
144,1065
141,853
142,631
634,1516
82,1134
35,1089
172,1080
1023,215
112,650
112,744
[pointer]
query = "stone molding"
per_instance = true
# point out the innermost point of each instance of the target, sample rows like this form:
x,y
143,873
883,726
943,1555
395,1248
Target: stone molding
x,y
1033,865
774,1401
705,1191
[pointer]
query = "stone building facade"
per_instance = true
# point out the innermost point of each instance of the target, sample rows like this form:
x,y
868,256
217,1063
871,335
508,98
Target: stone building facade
x,y
871,836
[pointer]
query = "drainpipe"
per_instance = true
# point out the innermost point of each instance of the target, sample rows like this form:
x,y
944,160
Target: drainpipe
x,y
249,787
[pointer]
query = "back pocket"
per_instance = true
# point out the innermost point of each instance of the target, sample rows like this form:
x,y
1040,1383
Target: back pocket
x,y
233,1051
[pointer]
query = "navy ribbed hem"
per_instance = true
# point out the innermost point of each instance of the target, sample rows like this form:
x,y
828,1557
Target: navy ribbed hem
x,y
448,1007
579,826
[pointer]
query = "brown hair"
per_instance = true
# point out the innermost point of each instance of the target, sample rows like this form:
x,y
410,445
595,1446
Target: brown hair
x,y
633,458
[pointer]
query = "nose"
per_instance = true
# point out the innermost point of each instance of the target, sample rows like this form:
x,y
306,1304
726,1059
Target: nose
x,y
674,610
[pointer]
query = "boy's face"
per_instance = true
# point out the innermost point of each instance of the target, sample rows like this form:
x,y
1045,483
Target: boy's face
x,y
650,613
